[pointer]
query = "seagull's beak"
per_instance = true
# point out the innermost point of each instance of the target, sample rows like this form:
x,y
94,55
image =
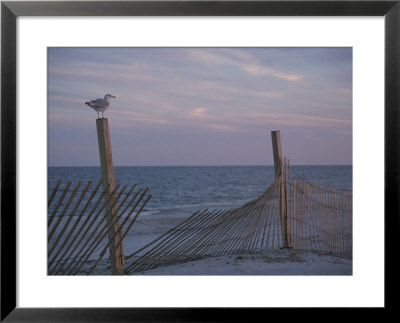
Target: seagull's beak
x,y
113,96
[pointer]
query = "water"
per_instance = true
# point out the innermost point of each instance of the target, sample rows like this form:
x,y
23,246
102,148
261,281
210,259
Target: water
x,y
198,187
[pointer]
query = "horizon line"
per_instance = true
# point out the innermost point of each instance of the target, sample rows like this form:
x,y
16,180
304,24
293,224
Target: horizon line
x,y
247,165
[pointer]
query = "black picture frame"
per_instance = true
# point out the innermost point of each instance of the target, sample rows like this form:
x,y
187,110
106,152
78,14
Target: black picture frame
x,y
10,10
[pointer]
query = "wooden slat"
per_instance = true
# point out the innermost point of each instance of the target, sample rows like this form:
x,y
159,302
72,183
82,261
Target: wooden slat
x,y
84,235
59,203
53,193
103,234
99,229
60,217
64,248
69,219
80,234
122,225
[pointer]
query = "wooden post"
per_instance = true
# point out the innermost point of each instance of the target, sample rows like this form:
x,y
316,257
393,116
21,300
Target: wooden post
x,y
277,152
117,258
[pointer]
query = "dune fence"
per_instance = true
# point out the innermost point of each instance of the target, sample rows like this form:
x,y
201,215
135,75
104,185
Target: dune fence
x,y
291,213
81,232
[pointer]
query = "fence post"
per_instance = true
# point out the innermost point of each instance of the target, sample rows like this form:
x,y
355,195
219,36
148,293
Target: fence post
x,y
117,258
279,173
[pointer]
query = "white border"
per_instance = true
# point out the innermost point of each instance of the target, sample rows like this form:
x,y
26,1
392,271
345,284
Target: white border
x,y
364,288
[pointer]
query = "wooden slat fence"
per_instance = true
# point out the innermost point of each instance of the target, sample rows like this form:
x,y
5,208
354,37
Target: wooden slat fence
x,y
297,214
78,237
315,217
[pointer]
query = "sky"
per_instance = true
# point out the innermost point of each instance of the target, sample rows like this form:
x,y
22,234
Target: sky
x,y
201,106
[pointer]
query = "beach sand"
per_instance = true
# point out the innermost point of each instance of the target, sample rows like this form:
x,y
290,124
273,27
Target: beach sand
x,y
267,262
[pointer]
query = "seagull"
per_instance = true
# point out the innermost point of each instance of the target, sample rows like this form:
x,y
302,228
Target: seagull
x,y
100,105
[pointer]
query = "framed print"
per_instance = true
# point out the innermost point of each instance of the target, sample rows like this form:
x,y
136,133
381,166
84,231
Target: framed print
x,y
192,83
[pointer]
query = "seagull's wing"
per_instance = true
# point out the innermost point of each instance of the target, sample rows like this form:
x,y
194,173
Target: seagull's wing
x,y
91,104
98,103
101,103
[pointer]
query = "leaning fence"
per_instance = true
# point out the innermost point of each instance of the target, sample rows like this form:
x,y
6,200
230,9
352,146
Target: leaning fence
x,y
291,213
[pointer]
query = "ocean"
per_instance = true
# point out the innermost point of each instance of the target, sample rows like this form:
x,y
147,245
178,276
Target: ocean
x,y
179,191
199,187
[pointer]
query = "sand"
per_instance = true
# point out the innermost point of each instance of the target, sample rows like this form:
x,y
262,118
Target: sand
x,y
267,262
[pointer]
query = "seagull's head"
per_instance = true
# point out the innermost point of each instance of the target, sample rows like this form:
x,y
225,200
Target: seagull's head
x,y
107,96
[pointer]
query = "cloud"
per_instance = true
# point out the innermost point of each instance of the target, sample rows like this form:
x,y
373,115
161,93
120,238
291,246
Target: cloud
x,y
66,99
207,57
129,118
301,120
198,113
258,70
244,61
343,92
223,128
144,101
271,94
99,72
